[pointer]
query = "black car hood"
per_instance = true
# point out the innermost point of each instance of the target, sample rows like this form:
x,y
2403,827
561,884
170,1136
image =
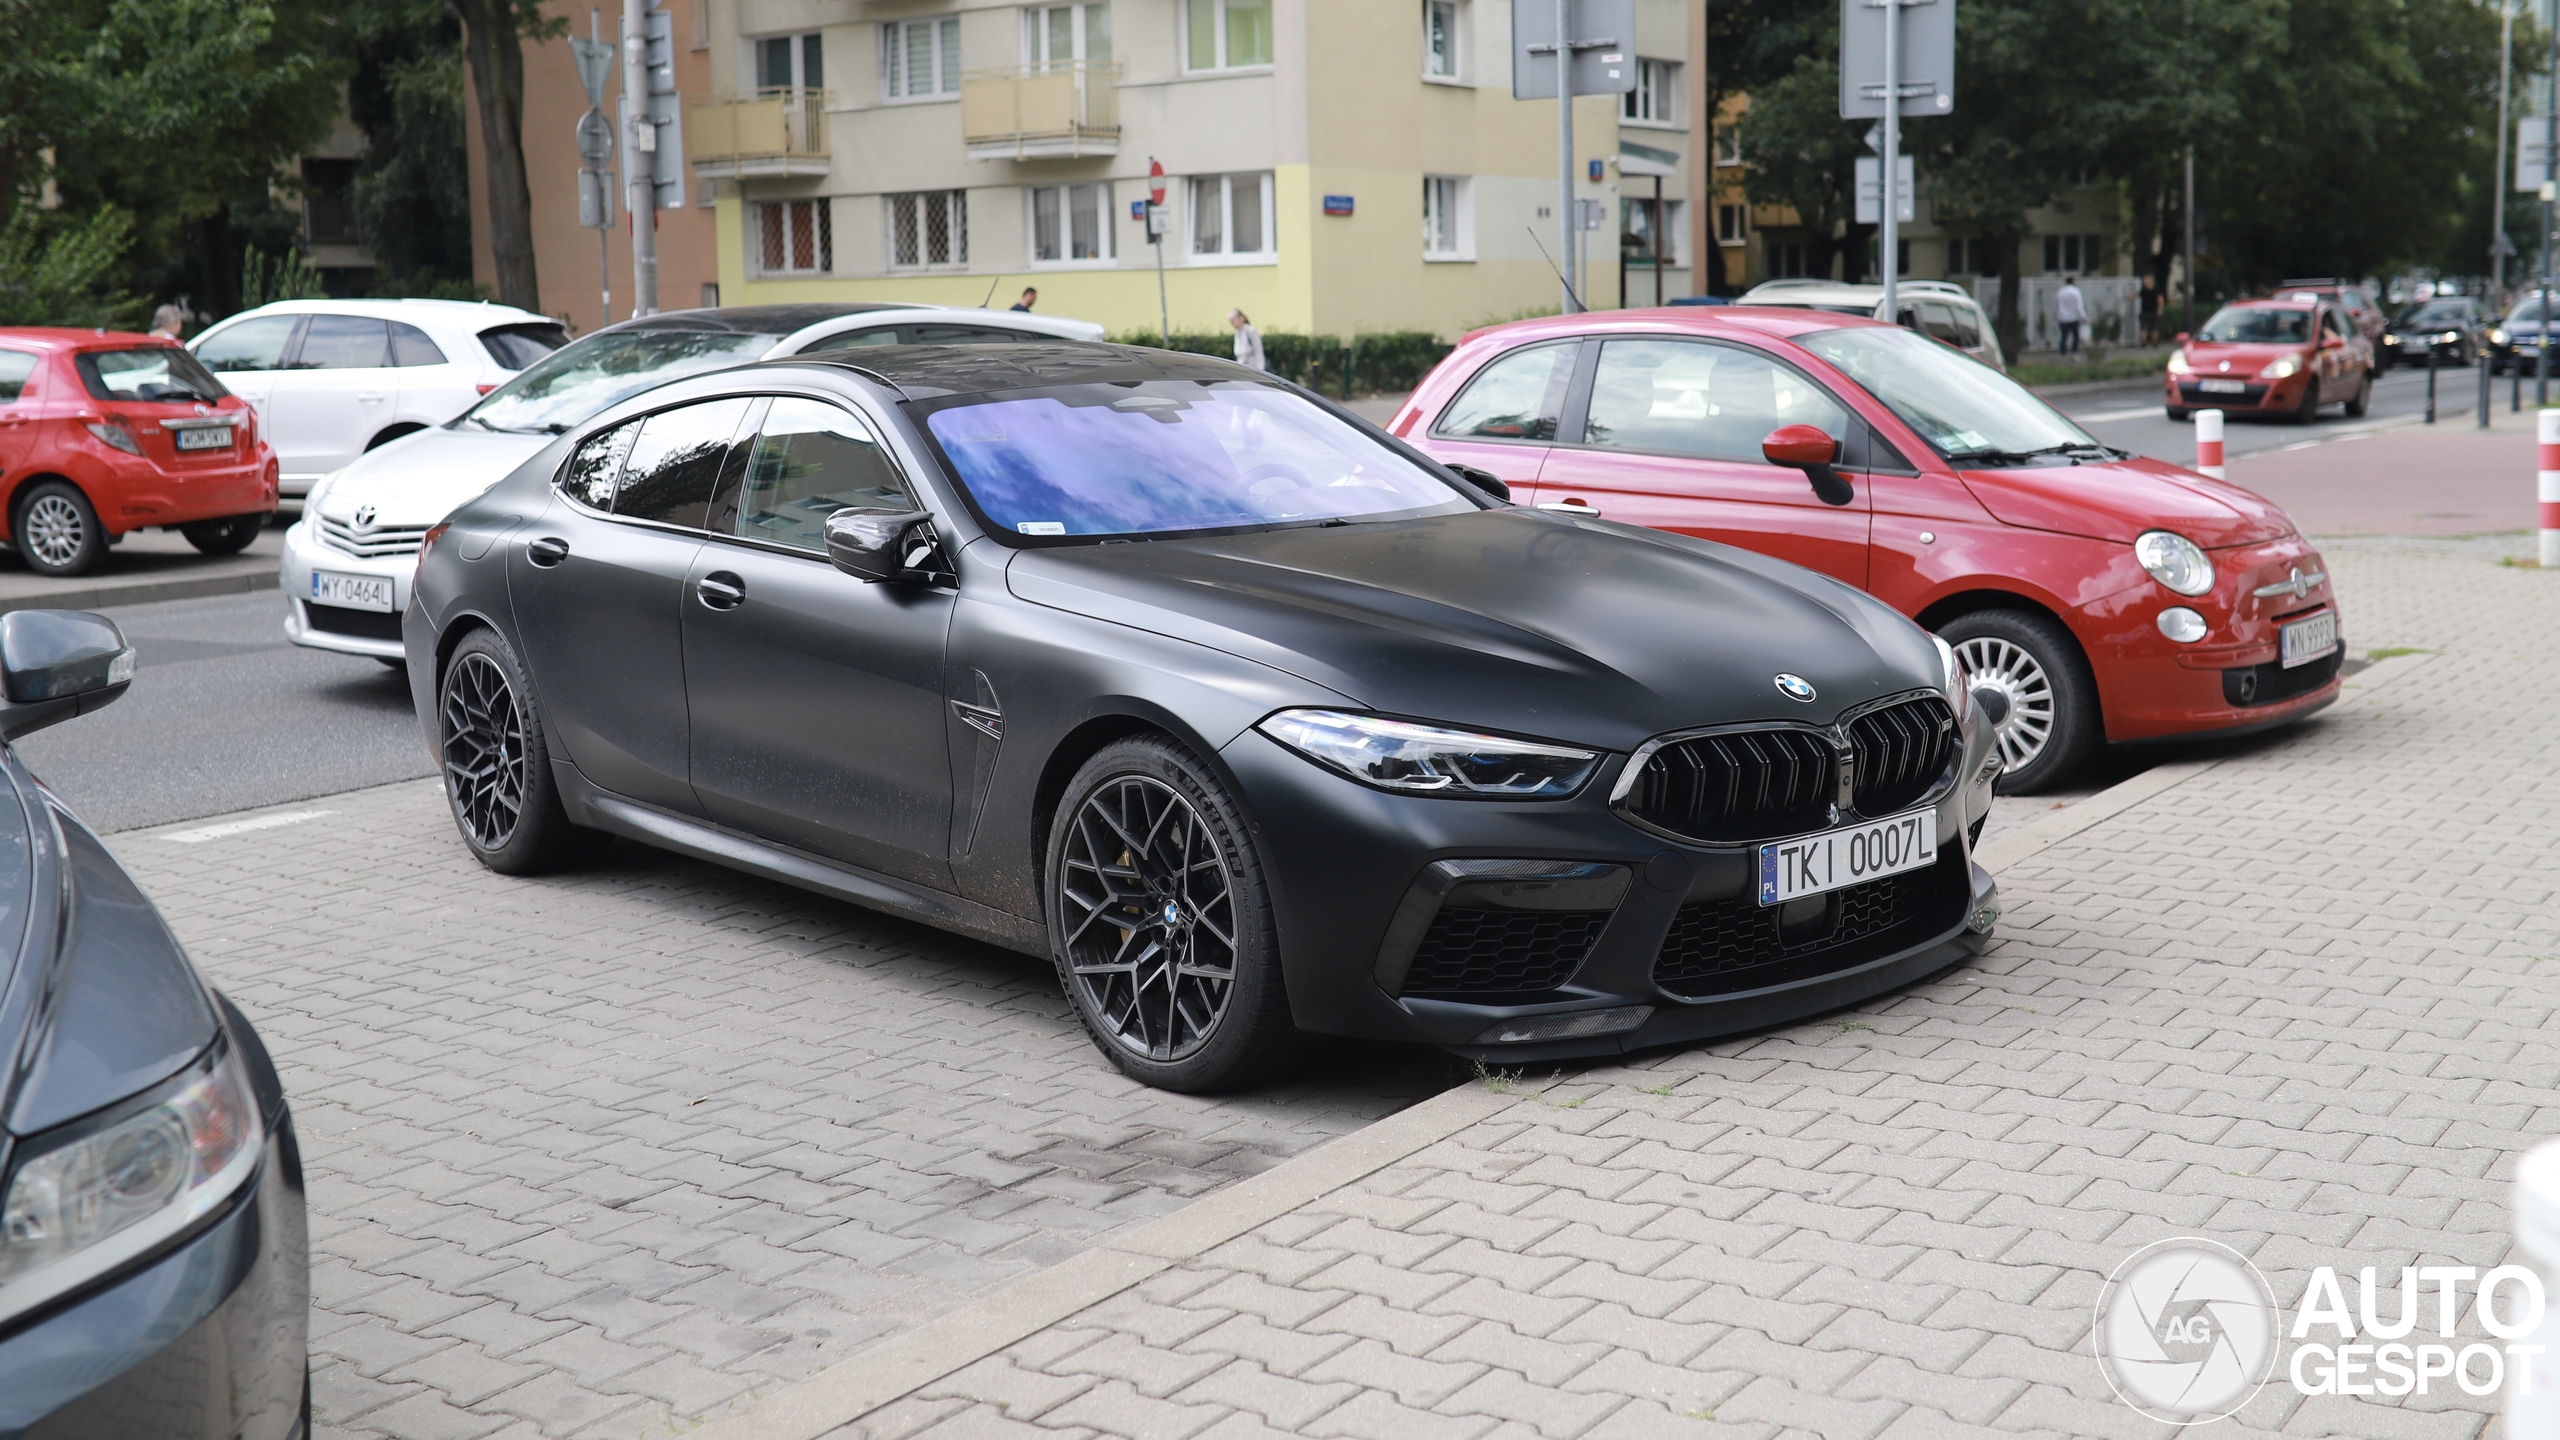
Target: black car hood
x,y
99,1002
1507,620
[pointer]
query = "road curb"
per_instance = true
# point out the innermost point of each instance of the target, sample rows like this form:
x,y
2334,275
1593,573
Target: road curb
x,y
142,592
906,1362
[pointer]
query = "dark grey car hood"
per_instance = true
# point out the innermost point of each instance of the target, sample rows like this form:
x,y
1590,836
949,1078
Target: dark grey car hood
x,y
1508,620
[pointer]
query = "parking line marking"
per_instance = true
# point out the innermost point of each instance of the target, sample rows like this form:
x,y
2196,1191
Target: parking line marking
x,y
243,827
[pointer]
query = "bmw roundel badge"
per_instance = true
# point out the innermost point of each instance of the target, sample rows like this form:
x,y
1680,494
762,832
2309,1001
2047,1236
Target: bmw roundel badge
x,y
1795,687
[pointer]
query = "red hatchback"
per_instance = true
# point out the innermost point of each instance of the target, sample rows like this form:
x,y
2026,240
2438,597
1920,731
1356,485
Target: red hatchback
x,y
2285,357
104,433
2110,597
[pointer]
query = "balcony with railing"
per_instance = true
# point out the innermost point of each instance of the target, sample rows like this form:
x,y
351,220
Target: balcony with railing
x,y
1033,112
772,133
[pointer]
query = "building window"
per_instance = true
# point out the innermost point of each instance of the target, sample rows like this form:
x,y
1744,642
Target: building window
x,y
1226,34
1791,260
1060,35
796,237
328,203
2070,254
930,227
1728,144
790,62
1448,219
1656,98
920,59
1071,222
1733,224
1231,215
1442,55
1644,222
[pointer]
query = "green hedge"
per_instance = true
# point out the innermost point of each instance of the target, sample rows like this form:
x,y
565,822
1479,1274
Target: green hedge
x,y
1388,362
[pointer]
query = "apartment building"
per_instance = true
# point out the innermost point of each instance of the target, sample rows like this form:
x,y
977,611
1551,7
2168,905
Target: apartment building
x,y
1331,165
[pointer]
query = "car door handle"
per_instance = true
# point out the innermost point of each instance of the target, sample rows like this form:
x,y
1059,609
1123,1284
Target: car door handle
x,y
548,551
1570,507
721,590
370,397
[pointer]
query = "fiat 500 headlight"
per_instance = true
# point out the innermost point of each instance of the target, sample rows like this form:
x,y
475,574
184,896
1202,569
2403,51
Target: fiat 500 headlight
x,y
81,1208
1420,759
2278,369
2175,561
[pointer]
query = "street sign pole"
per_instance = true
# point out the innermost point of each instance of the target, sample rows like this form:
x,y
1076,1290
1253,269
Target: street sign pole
x,y
1572,60
2551,172
594,59
1889,231
1566,219
1155,233
640,157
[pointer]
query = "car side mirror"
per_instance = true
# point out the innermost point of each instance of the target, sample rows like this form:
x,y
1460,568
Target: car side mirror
x,y
2183,337
59,663
2332,342
1482,479
873,545
1809,449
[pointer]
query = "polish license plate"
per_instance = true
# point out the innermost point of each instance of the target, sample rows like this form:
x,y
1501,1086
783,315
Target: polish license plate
x,y
354,592
2223,387
1792,869
204,437
2309,640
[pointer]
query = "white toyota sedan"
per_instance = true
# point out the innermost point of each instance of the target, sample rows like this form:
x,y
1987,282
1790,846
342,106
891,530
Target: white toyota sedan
x,y
332,379
347,562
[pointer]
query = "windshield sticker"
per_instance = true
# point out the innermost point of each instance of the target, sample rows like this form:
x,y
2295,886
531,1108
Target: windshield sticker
x,y
1042,527
1968,440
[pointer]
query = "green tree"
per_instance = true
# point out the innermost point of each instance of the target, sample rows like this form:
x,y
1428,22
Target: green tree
x,y
493,36
1803,155
413,183
54,272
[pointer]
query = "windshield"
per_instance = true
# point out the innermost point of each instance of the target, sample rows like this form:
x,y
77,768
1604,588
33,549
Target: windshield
x,y
2436,312
572,383
161,373
1968,410
1167,456
2257,326
2528,310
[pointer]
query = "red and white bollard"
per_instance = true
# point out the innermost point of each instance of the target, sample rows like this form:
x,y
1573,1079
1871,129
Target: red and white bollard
x,y
2547,487
2209,443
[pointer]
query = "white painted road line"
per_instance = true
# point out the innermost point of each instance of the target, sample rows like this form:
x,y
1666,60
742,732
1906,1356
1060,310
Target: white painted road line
x,y
243,827
2102,417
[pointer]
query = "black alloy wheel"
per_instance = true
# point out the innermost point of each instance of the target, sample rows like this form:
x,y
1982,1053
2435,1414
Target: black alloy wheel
x,y
227,536
1161,924
497,766
56,530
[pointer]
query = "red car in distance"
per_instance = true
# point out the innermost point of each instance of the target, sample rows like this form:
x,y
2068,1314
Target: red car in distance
x,y
2111,598
2287,357
103,433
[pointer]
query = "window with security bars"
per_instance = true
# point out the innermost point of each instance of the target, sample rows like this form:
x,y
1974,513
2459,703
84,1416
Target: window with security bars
x,y
795,237
920,59
929,227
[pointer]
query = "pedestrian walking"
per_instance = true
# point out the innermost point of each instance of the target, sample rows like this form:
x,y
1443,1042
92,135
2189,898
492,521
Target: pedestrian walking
x,y
1030,297
2150,303
2070,311
168,321
1248,342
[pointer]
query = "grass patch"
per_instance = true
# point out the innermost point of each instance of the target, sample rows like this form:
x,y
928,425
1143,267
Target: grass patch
x,y
1845,1026
2394,652
2113,367
1500,1082
2519,562
1665,1088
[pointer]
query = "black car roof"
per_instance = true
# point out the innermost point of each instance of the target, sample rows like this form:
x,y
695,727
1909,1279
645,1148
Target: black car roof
x,y
926,371
754,319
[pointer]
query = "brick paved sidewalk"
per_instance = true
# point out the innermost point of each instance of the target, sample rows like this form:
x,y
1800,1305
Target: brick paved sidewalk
x,y
2294,1000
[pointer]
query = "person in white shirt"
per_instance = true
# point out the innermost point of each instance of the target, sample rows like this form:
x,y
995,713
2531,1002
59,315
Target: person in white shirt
x,y
1248,341
2070,311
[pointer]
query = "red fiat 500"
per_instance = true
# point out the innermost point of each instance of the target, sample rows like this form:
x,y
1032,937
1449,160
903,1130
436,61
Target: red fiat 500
x,y
2111,598
2283,357
104,433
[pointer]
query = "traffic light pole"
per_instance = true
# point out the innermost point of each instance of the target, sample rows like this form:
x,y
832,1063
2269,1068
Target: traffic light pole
x,y
640,151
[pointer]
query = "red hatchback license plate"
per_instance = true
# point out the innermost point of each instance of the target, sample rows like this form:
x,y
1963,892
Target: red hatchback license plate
x,y
205,437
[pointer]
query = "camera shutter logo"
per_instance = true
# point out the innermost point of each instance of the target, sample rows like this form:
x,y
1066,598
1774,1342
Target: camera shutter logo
x,y
2186,1331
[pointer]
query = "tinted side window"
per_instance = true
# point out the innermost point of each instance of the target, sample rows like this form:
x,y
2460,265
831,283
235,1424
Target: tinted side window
x,y
1685,397
590,474
676,462
962,335
1939,319
410,346
1968,326
810,460
851,340
1515,398
250,345
15,367
516,346
343,342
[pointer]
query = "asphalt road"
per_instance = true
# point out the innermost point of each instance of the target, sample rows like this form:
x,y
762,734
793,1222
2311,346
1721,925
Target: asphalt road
x,y
225,715
2131,418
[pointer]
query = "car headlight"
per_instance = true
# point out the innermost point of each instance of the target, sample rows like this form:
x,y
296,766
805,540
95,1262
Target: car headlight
x,y
2450,337
2177,562
320,487
1953,682
1403,756
2497,337
2178,363
101,1198
2390,339
2278,369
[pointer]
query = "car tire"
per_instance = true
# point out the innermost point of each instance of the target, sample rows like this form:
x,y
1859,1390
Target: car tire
x,y
56,529
2053,719
2176,413
2309,409
1188,996
497,764
2358,403
227,536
